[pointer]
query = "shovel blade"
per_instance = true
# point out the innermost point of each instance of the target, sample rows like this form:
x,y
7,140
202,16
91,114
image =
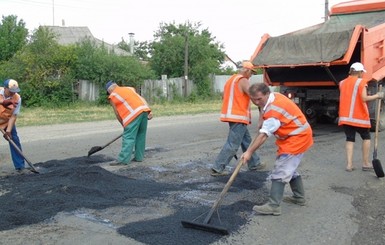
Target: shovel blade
x,y
205,227
94,149
378,168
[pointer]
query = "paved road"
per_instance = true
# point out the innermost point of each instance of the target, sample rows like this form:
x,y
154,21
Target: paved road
x,y
343,208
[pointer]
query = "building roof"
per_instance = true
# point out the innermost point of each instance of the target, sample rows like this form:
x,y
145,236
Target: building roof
x,y
76,34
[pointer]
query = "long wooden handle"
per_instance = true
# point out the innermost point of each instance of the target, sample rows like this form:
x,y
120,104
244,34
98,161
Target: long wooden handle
x,y
378,111
20,152
109,143
224,191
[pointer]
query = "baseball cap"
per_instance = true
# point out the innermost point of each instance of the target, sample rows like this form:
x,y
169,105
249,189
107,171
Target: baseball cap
x,y
12,85
109,83
248,65
357,67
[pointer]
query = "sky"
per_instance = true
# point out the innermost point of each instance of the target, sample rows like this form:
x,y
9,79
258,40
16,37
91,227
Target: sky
x,y
237,24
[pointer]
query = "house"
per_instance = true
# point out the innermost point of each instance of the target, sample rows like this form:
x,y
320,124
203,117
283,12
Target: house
x,y
76,34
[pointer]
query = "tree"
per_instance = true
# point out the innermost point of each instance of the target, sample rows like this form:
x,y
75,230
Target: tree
x,y
204,54
13,36
141,49
43,68
97,64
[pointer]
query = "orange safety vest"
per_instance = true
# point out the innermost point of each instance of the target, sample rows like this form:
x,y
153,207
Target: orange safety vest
x,y
236,104
352,110
295,135
128,103
6,113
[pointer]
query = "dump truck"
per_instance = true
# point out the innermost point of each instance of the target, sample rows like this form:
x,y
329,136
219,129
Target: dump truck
x,y
308,64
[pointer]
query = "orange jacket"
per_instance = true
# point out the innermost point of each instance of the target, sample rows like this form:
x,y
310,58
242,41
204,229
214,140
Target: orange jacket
x,y
7,112
128,103
236,104
295,135
353,110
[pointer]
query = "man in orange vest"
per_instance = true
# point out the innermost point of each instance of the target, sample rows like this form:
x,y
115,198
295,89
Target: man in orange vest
x,y
133,112
10,103
236,112
354,113
285,120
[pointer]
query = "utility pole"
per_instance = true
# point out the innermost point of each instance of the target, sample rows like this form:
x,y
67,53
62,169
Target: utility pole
x,y
326,10
53,12
185,63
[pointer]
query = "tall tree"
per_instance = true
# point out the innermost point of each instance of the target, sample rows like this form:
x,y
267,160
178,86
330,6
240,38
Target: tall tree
x,y
141,49
13,36
44,70
204,55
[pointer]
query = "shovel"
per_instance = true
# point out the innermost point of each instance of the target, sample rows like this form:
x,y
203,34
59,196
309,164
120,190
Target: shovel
x,y
205,226
376,162
33,169
95,149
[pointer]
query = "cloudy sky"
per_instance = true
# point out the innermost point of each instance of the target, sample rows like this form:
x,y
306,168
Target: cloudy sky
x,y
238,24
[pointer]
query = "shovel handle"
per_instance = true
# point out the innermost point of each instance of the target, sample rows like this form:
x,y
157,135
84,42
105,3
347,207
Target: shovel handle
x,y
20,152
112,141
378,111
224,191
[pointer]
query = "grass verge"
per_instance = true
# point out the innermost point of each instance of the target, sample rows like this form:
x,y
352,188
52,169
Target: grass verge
x,y
86,112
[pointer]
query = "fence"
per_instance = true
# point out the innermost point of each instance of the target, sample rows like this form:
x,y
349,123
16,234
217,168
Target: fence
x,y
165,89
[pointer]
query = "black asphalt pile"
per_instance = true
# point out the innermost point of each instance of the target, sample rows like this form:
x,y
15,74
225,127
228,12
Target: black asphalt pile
x,y
77,183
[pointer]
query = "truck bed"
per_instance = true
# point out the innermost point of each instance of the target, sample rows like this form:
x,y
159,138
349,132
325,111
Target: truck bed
x,y
322,43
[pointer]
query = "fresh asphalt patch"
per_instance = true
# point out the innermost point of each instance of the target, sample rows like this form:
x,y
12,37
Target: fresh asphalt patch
x,y
75,184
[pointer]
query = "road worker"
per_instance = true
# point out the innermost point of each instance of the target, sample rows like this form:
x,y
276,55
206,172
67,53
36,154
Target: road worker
x,y
132,112
285,120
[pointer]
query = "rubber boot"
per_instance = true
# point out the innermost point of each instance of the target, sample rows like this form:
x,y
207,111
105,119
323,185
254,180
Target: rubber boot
x,y
298,196
273,207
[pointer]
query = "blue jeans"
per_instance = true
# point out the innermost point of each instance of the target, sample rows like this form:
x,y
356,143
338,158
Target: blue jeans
x,y
17,159
238,136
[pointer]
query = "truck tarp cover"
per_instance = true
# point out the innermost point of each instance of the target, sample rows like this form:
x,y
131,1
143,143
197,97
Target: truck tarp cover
x,y
324,42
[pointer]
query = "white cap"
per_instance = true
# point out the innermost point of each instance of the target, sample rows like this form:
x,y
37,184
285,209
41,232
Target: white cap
x,y
357,67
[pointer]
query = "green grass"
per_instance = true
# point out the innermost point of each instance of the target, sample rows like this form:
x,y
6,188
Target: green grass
x,y
85,112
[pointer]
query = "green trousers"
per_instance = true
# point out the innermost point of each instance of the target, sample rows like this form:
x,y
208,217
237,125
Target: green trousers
x,y
134,136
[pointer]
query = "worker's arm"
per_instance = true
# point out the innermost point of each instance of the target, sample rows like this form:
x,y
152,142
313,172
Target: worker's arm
x,y
269,126
365,97
116,113
257,142
244,85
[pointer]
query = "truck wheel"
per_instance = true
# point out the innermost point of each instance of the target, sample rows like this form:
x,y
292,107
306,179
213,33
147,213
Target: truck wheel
x,y
311,116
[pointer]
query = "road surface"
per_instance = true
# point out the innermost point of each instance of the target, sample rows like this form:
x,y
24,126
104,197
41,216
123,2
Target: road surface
x,y
343,207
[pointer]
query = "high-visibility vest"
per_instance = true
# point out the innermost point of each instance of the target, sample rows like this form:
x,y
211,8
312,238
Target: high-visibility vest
x,y
7,112
128,103
236,104
295,135
353,110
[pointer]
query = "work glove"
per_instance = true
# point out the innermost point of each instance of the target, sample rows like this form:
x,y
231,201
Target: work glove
x,y
7,136
380,95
